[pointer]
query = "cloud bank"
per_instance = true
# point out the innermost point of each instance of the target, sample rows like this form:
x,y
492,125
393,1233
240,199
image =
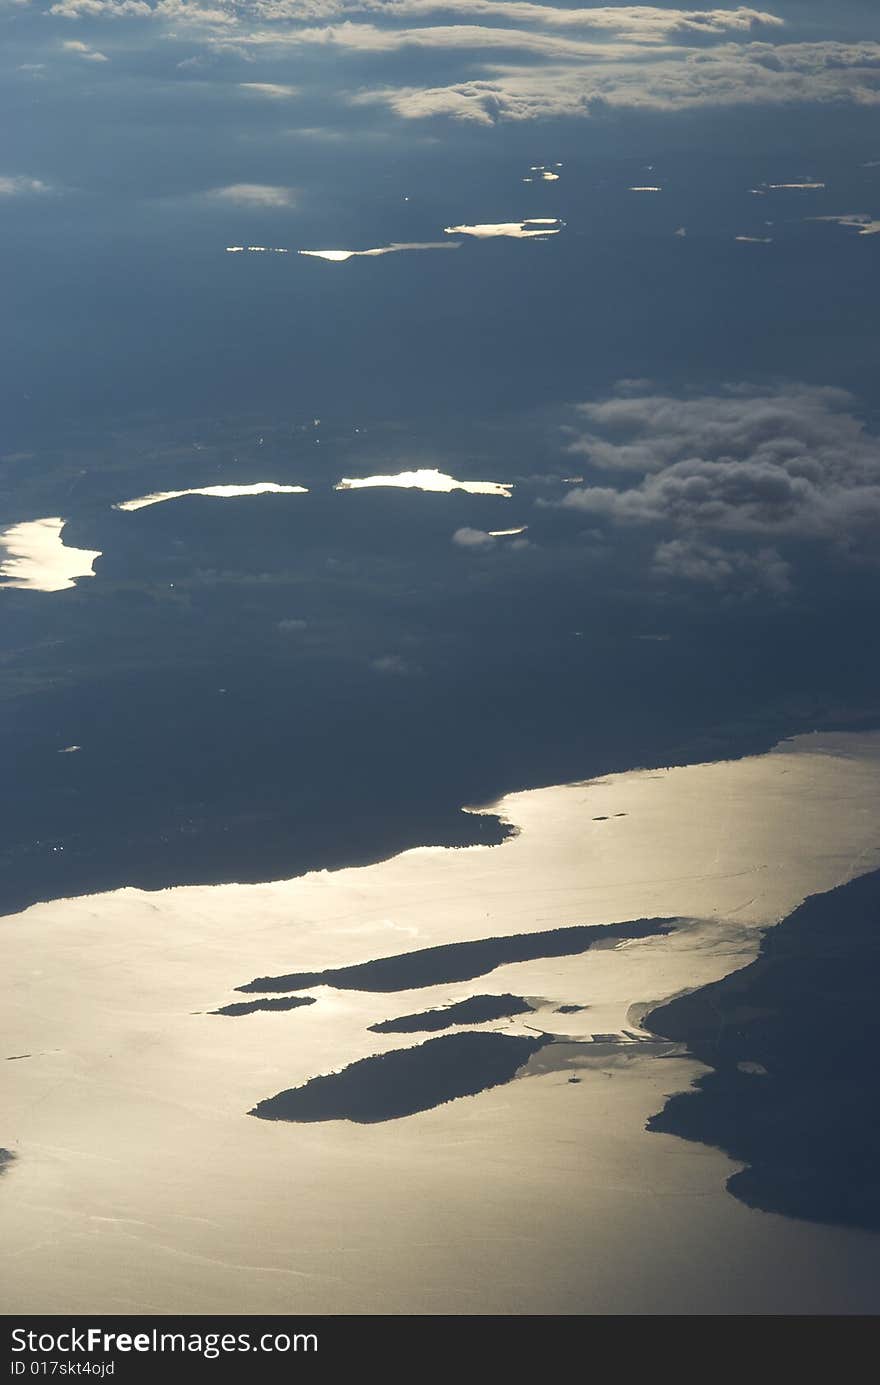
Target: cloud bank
x,y
793,463
522,61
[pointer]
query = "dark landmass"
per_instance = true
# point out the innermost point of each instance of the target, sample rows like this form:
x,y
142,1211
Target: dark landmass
x,y
405,1080
477,1009
247,1007
570,1009
171,670
6,1158
433,966
805,1011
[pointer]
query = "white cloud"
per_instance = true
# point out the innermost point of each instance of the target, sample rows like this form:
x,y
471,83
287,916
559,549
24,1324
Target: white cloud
x,y
371,38
178,11
274,90
472,538
392,665
643,23
84,51
255,195
21,187
572,61
113,9
658,78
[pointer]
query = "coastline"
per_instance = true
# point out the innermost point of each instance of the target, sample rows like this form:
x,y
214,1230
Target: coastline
x,y
790,1044
129,1120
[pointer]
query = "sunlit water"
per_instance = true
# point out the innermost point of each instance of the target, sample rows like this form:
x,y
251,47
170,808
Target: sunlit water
x,y
138,1163
426,479
219,492
37,559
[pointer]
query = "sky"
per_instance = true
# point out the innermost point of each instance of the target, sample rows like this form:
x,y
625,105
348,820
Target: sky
x,y
590,292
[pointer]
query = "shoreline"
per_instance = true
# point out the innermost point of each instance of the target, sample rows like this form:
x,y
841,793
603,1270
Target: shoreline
x,y
788,1045
133,1106
469,824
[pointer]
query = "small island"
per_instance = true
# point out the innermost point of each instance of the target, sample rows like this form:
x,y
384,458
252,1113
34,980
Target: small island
x,y
406,1080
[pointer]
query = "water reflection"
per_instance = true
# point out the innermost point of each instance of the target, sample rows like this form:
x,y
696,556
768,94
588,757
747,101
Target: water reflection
x,y
532,228
541,173
732,847
861,221
426,479
340,256
224,492
39,560
764,188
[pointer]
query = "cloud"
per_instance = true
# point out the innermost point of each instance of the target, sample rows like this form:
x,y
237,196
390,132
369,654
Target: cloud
x,y
274,90
524,61
392,665
371,38
177,11
255,195
84,51
112,9
656,78
795,462
21,187
641,23
472,538
749,574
